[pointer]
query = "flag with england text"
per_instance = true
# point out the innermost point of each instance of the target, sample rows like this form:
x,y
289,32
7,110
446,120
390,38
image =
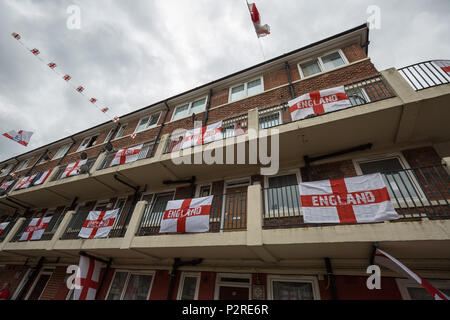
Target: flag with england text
x,y
43,176
98,224
73,168
126,155
25,182
21,136
361,199
35,228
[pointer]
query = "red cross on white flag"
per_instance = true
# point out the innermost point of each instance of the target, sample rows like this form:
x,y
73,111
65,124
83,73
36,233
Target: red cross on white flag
x,y
25,182
87,279
67,77
202,135
35,51
15,35
319,102
6,185
3,226
126,155
52,65
189,215
80,89
35,229
98,224
74,168
93,100
44,176
105,110
261,30
384,259
350,200
23,137
115,119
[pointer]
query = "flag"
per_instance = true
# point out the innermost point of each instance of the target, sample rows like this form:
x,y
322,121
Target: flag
x,y
126,155
80,89
93,100
25,182
105,110
52,65
21,136
212,132
98,224
261,31
189,215
67,77
192,138
205,134
87,278
115,119
6,185
386,260
3,226
444,65
35,51
319,102
43,177
349,200
74,168
35,228
15,35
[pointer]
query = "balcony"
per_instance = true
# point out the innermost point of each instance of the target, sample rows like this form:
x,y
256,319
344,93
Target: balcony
x,y
146,152
84,169
426,74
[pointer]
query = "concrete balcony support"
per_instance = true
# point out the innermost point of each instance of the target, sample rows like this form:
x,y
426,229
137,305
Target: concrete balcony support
x,y
12,232
97,162
61,229
253,120
133,225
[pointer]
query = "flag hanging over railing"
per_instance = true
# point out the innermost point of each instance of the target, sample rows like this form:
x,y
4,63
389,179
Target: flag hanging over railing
x,y
87,279
126,155
98,224
21,136
261,30
35,228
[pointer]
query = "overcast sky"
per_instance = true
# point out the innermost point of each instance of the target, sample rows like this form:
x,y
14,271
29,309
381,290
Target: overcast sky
x,y
130,54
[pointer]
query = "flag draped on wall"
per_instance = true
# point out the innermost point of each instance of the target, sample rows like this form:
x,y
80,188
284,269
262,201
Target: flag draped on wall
x,y
350,200
3,226
36,228
319,102
201,135
74,168
87,279
261,30
384,259
25,182
6,185
21,136
98,224
126,155
42,177
188,215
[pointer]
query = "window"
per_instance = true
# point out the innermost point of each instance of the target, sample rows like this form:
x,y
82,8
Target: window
x,y
61,151
154,212
283,197
148,122
189,284
121,131
24,165
400,183
411,290
39,285
321,64
293,288
357,96
189,108
130,286
109,136
87,143
6,170
232,286
204,191
246,89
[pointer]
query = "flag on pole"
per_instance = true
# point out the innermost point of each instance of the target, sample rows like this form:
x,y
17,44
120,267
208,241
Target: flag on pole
x,y
261,30
74,168
35,229
189,215
98,224
319,102
384,259
21,136
126,155
350,200
25,182
87,278
43,177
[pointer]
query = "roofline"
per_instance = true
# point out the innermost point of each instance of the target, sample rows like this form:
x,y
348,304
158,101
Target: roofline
x,y
360,27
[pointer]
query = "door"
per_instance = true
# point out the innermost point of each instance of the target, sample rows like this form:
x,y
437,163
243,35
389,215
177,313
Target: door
x,y
235,210
233,293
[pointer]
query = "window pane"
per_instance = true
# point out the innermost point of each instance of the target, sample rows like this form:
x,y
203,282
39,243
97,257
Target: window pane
x,y
154,216
180,112
254,87
332,61
189,286
138,287
310,68
198,106
61,151
142,124
238,92
283,290
153,120
117,286
121,131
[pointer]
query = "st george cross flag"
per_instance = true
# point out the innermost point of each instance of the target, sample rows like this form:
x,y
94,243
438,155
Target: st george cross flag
x,y
205,134
192,138
212,132
189,215
98,224
36,228
126,155
43,177
87,279
21,136
74,168
6,185
384,259
350,200
25,182
261,30
444,65
319,102
3,226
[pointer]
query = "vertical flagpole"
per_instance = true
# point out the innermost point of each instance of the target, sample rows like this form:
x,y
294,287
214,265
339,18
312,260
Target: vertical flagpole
x,y
259,40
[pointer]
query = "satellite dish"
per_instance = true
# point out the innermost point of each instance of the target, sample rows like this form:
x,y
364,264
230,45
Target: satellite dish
x,y
83,156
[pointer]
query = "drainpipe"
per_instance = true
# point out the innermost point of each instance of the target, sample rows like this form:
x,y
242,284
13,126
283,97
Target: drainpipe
x,y
31,277
176,264
160,128
208,105
372,258
288,72
331,282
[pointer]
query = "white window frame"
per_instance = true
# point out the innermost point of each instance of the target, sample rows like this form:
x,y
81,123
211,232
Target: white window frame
x,y
181,284
21,284
61,148
109,135
149,117
245,89
189,108
292,278
403,285
129,272
87,138
220,283
200,186
25,164
320,63
42,272
117,133
7,169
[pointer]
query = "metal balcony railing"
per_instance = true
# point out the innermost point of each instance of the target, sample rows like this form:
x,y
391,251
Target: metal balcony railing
x,y
146,152
49,230
359,93
228,213
426,74
415,193
232,127
11,222
84,169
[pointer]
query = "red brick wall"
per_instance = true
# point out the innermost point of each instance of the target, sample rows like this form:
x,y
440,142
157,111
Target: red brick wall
x,y
354,53
334,170
421,157
207,286
106,284
354,288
